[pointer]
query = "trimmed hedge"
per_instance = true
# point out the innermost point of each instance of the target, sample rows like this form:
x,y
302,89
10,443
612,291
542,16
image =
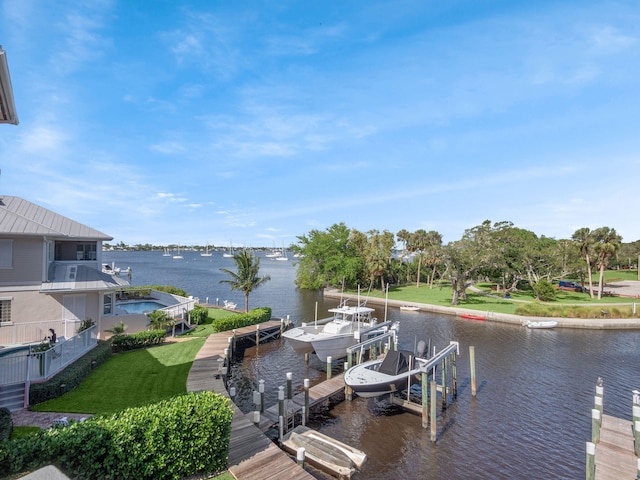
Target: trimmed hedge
x,y
6,424
71,376
255,316
186,435
199,315
148,338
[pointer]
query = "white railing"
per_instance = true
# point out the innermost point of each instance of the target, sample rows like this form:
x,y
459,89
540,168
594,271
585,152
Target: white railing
x,y
28,365
30,332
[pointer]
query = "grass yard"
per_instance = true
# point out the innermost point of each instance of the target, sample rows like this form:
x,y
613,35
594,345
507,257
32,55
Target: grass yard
x,y
206,329
131,379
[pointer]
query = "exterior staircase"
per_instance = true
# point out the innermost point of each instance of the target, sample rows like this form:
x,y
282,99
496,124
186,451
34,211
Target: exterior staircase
x,y
12,396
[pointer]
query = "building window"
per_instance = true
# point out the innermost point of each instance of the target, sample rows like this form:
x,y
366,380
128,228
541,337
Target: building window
x,y
108,304
86,251
6,253
5,311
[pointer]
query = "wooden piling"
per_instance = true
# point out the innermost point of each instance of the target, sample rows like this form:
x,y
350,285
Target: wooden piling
x,y
289,385
434,428
472,362
445,365
306,400
454,375
329,362
424,377
257,334
596,422
300,456
261,391
591,461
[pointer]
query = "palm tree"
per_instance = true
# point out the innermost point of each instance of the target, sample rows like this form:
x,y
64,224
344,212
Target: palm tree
x,y
418,243
245,278
607,243
584,239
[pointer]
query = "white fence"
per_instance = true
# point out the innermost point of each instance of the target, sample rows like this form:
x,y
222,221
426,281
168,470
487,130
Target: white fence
x,y
25,364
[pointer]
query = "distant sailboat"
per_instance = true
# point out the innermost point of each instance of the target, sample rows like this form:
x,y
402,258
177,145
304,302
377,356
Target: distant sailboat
x,y
282,255
177,256
166,252
206,253
229,253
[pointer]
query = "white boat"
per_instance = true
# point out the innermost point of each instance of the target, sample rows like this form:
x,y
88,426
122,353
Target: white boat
x,y
541,324
229,253
230,305
397,371
177,256
331,336
409,308
206,253
110,269
325,453
166,252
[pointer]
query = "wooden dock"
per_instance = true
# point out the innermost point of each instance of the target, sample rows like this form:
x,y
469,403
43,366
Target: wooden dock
x,y
615,458
252,456
318,394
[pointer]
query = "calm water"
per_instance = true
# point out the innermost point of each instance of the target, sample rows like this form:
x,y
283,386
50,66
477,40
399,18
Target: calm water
x,y
532,413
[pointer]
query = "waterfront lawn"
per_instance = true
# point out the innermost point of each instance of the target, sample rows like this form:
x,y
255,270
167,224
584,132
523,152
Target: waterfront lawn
x,y
206,329
131,379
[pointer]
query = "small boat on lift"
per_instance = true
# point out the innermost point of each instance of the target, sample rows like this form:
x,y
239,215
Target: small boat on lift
x,y
397,371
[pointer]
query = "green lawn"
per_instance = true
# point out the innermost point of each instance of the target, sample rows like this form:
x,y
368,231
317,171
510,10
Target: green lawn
x,y
131,379
207,328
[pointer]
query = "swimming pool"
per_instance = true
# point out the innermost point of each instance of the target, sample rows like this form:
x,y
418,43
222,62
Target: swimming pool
x,y
140,307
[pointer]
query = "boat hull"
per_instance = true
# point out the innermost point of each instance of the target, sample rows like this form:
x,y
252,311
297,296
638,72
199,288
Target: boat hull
x,y
549,324
366,381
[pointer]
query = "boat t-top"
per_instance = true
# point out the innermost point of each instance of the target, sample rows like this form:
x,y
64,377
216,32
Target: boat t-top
x,y
331,336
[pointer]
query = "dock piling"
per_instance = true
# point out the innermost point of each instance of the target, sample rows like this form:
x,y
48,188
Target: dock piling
x,y
472,362
261,392
591,461
305,410
289,384
434,428
596,422
329,362
300,455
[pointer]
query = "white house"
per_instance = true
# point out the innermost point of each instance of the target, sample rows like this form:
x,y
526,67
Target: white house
x,y
50,274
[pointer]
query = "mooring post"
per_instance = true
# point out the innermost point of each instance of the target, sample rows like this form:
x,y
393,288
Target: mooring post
x,y
282,325
349,360
230,349
304,416
257,334
306,358
348,391
636,438
261,391
445,372
300,454
454,375
597,400
329,361
596,421
256,418
232,393
424,377
234,339
289,384
434,428
472,363
591,461
281,401
306,400
280,428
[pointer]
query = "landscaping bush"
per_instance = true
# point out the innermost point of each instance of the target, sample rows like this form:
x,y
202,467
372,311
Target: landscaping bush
x,y
199,315
71,376
6,425
255,316
183,436
149,338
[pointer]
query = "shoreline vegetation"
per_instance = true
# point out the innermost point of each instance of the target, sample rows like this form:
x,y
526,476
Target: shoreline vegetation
x,y
570,310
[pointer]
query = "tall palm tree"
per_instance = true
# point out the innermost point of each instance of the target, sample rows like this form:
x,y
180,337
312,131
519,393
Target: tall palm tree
x,y
584,239
418,243
607,243
245,278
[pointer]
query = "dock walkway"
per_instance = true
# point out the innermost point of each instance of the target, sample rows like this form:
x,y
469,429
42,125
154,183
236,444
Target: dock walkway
x,y
252,456
615,457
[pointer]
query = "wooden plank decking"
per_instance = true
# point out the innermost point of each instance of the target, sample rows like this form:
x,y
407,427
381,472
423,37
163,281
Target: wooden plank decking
x,y
252,456
615,458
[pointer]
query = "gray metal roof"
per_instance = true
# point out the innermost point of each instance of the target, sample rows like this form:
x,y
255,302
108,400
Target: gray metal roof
x,y
75,277
23,218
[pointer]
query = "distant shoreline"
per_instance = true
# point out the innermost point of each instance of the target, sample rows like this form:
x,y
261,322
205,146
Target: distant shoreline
x,y
581,323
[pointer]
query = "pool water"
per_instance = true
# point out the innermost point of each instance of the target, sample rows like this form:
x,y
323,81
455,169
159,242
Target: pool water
x,y
140,307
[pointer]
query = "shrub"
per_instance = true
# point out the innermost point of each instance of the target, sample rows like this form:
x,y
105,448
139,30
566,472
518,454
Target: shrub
x,y
6,425
255,316
544,290
149,338
183,436
199,315
71,376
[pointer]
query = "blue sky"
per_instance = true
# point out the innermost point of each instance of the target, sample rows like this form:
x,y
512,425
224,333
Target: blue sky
x,y
254,122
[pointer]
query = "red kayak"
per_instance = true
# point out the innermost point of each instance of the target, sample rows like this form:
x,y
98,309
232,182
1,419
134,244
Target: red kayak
x,y
472,317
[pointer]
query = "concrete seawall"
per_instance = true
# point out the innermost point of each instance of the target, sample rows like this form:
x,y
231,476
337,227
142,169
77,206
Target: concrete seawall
x,y
584,323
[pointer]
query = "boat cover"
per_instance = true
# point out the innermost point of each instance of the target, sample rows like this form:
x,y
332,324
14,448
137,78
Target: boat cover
x,y
395,362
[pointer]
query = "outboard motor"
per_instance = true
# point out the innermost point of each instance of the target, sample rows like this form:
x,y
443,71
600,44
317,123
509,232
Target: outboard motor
x,y
422,345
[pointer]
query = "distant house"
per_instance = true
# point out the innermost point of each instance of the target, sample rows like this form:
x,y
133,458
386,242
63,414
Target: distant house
x,y
50,274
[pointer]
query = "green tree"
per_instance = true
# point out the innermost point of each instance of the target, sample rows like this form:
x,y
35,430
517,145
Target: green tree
x,y
417,244
606,244
584,238
245,278
332,257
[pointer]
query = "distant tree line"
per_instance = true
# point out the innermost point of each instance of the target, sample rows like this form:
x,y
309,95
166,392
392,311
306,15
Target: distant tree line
x,y
497,252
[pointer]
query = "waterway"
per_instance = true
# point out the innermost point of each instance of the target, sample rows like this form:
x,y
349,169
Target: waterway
x,y
530,418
